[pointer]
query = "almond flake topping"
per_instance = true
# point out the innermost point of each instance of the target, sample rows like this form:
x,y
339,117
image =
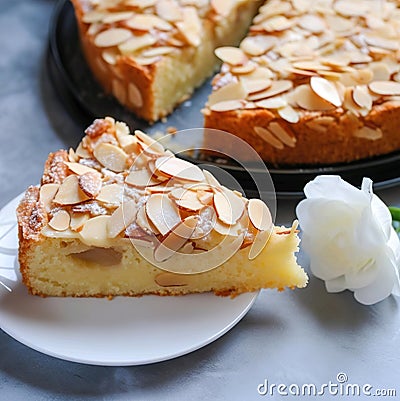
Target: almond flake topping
x,y
47,193
90,183
60,221
321,48
180,234
111,156
385,87
112,37
95,231
326,90
228,205
179,169
122,217
162,212
69,192
259,214
231,55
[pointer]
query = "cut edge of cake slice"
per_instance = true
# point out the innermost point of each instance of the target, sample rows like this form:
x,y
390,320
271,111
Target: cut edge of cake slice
x,y
98,227
152,55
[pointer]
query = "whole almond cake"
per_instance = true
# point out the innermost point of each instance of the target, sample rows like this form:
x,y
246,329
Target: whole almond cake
x,y
151,54
121,215
314,82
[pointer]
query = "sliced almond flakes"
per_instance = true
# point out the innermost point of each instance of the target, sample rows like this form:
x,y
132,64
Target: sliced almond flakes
x,y
60,221
162,212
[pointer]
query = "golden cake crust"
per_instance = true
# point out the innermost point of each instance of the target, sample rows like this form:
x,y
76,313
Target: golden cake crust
x,y
316,139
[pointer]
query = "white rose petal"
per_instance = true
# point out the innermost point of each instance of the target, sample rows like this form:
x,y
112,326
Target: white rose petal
x,y
349,237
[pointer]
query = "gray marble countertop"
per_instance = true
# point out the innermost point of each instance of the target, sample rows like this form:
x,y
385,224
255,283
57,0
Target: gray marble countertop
x,y
297,337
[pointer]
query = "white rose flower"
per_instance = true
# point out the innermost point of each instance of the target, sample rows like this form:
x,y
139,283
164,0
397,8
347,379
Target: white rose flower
x,y
349,238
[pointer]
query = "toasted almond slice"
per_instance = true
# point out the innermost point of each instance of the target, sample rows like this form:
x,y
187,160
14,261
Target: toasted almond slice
x,y
227,105
72,156
145,22
247,68
258,45
231,55
380,71
259,214
144,222
289,114
205,197
93,16
69,192
386,88
149,146
189,200
362,98
167,279
162,212
268,137
312,23
276,88
255,85
112,37
228,205
231,91
381,42
190,27
222,7
226,229
147,60
122,217
117,16
80,169
177,193
140,4
307,99
282,134
146,139
78,220
159,189
95,233
47,193
180,234
82,152
168,10
369,133
277,23
111,194
211,180
110,56
90,183
111,156
179,169
60,221
158,51
351,8
276,102
258,244
141,178
129,144
137,43
326,90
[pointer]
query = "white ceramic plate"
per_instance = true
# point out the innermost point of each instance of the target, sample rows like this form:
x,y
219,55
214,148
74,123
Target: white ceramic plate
x,y
124,331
